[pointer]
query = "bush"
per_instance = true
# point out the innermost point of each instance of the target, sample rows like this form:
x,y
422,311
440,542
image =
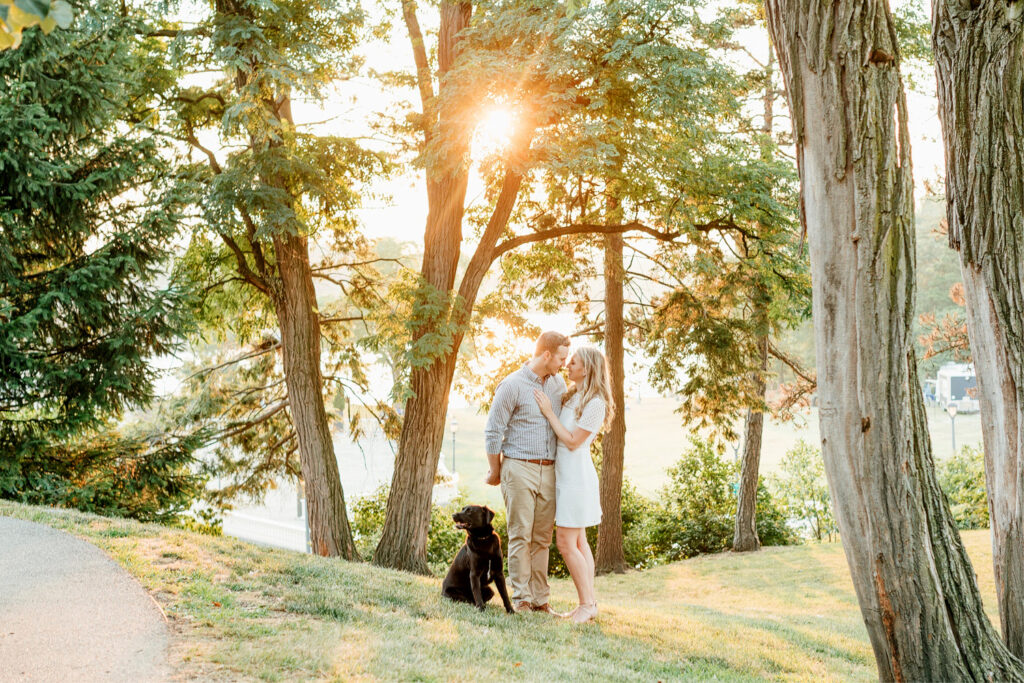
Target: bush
x,y
151,478
962,479
802,489
443,538
695,513
772,526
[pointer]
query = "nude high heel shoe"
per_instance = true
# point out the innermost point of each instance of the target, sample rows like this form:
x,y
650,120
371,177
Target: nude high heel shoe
x,y
585,613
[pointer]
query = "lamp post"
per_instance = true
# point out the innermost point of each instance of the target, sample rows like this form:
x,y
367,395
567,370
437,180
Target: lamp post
x,y
455,428
951,409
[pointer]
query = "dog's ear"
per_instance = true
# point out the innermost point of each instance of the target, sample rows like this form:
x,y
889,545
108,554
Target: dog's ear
x,y
490,514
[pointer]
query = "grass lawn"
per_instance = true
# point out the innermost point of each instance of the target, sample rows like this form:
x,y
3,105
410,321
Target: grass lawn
x,y
239,611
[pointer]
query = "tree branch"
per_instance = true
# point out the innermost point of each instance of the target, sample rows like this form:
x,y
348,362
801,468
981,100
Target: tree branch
x,y
582,229
258,281
793,365
423,77
347,319
259,352
239,427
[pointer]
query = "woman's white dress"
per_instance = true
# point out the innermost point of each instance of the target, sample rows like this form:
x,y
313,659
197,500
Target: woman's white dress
x,y
577,497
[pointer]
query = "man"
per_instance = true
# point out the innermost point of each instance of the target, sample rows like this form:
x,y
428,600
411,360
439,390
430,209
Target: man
x,y
521,454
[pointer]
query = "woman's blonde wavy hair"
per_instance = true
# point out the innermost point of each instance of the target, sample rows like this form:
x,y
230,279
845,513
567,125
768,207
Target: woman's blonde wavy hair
x,y
596,382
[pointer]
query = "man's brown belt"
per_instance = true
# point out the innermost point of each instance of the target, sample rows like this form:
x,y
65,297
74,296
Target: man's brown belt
x,y
540,462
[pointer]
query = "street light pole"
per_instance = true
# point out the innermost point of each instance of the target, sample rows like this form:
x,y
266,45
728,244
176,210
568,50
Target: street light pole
x,y
951,409
455,428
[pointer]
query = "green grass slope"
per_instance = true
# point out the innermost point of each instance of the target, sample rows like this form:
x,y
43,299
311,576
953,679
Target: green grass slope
x,y
241,612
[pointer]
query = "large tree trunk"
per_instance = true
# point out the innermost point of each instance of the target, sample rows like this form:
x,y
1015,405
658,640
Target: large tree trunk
x,y
329,530
914,582
403,543
610,556
979,57
745,533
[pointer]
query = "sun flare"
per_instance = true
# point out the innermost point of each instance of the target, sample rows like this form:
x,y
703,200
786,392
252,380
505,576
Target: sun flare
x,y
494,130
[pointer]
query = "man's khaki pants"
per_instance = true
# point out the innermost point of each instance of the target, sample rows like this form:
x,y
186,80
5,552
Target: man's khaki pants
x,y
529,493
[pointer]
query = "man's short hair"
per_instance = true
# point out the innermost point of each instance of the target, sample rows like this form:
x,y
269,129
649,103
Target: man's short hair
x,y
550,341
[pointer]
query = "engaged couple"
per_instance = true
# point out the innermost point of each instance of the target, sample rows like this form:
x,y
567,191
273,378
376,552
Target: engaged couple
x,y
538,440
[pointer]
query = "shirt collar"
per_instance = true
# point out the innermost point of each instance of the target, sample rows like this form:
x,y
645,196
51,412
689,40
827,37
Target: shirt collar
x,y
531,375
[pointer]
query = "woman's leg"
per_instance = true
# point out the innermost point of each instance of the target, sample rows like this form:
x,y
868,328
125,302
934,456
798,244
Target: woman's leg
x,y
584,547
567,540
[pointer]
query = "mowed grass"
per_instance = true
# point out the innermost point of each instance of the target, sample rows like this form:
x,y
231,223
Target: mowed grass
x,y
242,612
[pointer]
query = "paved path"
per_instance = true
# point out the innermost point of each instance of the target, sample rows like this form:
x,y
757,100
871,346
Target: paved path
x,y
70,613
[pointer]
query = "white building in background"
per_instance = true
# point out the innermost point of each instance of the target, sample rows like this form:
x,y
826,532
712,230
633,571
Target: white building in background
x,y
279,520
956,384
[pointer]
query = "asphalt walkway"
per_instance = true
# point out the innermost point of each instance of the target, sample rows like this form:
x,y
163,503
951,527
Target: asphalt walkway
x,y
70,613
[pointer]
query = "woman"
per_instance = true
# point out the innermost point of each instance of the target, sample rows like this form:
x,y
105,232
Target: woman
x,y
586,408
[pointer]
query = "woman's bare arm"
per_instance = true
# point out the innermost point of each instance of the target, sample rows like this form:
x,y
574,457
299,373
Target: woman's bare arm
x,y
572,440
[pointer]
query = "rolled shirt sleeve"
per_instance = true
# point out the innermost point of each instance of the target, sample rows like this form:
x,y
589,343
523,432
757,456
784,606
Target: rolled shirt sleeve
x,y
592,417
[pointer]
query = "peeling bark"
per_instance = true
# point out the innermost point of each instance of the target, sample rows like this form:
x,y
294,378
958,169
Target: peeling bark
x,y
979,58
914,582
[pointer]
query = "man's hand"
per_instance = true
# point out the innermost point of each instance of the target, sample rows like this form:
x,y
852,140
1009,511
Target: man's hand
x,y
493,478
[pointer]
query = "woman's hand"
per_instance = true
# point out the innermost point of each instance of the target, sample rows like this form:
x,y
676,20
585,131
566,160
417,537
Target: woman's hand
x,y
543,402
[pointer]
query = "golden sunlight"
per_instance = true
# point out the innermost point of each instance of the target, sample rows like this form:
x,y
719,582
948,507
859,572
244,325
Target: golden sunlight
x,y
493,130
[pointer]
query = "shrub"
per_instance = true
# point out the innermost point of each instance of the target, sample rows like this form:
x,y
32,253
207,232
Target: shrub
x,y
443,538
151,478
962,479
802,489
696,511
772,526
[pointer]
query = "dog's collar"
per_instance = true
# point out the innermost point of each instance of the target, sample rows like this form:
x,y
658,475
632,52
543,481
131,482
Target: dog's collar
x,y
481,536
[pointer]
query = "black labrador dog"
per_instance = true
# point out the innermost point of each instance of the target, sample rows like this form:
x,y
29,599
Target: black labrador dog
x,y
478,562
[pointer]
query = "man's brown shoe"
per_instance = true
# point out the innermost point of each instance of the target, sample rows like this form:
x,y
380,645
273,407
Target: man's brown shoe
x,y
522,606
547,609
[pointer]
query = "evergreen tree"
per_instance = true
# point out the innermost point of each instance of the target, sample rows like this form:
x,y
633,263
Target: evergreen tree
x,y
88,213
